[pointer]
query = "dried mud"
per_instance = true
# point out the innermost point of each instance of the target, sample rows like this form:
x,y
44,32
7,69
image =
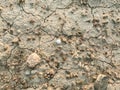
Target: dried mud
x,y
59,44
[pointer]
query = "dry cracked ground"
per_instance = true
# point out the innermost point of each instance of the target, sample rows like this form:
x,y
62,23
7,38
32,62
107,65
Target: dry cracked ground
x,y
59,44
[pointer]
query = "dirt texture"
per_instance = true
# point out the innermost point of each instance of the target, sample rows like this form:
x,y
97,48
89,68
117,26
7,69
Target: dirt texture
x,y
59,44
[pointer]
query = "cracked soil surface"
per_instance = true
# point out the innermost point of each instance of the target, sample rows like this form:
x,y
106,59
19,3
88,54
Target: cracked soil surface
x,y
59,44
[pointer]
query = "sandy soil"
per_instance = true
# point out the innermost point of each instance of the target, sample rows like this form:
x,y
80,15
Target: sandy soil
x,y
59,44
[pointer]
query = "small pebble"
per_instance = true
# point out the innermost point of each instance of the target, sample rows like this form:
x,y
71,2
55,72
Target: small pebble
x,y
58,41
33,71
27,72
33,60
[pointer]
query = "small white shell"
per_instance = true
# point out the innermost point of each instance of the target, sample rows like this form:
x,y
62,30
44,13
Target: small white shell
x,y
33,60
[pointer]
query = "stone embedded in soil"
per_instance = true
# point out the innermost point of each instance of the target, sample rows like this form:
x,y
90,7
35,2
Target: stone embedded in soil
x,y
33,60
101,82
15,40
34,71
27,72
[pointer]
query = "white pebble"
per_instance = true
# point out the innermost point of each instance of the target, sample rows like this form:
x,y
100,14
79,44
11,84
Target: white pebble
x,y
33,71
58,41
27,72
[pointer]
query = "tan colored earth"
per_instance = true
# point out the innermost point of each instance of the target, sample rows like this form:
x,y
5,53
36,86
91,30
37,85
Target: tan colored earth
x,y
59,44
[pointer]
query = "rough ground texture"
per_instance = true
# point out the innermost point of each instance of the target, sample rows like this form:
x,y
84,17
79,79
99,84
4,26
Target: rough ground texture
x,y
59,44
